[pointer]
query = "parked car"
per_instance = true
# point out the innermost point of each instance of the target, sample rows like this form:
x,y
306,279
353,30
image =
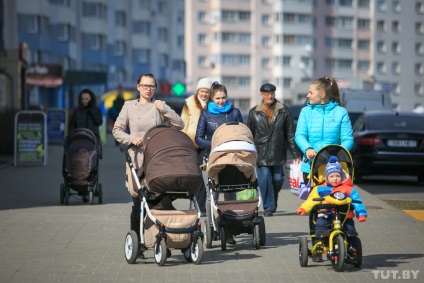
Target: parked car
x,y
389,142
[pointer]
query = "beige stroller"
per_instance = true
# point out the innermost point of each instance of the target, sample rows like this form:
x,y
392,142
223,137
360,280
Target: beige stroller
x,y
231,168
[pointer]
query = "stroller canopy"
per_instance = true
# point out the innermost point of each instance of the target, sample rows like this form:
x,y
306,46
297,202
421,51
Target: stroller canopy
x,y
80,155
232,144
321,160
170,161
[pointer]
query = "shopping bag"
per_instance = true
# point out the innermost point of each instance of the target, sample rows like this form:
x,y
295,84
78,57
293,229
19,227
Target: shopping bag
x,y
304,190
295,175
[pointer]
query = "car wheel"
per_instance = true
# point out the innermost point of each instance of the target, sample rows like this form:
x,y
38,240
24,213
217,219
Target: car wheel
x,y
420,178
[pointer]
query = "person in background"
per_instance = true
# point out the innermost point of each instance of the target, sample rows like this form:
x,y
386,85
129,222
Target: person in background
x,y
337,181
87,115
139,116
190,115
321,122
117,105
273,130
218,112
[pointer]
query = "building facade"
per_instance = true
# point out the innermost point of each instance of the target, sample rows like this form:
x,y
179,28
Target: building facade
x,y
364,44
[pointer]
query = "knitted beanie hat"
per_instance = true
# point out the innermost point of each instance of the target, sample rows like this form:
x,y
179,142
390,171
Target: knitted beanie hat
x,y
204,83
333,166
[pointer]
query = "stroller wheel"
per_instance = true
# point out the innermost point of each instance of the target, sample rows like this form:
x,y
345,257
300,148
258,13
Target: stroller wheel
x,y
256,237
62,193
131,247
208,233
223,234
262,231
100,194
187,253
160,253
90,197
196,251
67,195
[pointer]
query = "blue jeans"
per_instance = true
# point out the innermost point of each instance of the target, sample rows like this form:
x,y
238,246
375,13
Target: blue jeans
x,y
270,179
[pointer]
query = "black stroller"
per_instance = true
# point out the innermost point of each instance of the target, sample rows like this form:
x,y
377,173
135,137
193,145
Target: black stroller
x,y
169,169
80,167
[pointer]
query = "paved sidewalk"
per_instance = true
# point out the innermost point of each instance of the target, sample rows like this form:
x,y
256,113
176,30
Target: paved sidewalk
x,y
42,241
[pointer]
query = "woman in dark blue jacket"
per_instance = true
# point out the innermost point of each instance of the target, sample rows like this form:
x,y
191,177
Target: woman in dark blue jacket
x,y
219,111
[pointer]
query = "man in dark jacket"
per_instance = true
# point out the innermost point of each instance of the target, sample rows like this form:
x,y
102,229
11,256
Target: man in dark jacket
x,y
273,131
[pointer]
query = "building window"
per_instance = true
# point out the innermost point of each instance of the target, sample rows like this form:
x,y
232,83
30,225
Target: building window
x,y
289,39
344,43
287,82
265,63
244,16
381,67
419,28
60,2
161,7
202,39
330,2
228,16
228,37
330,21
396,26
202,61
163,34
363,23
265,41
286,61
94,10
419,7
141,28
33,24
265,19
178,65
364,4
419,48
120,19
201,16
419,89
180,41
396,6
363,66
93,41
346,3
381,5
363,44
142,56
381,47
330,63
289,18
305,19
163,60
395,68
344,64
305,62
396,88
396,47
419,69
381,26
244,38
119,48
330,42
63,31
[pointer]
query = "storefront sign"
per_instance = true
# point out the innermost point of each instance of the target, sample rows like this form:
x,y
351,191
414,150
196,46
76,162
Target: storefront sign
x,y
30,138
56,125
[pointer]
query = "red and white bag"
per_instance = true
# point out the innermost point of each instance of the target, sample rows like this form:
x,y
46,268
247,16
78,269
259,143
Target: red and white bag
x,y
295,175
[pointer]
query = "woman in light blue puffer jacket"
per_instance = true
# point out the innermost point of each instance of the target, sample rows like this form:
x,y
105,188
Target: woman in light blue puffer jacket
x,y
322,121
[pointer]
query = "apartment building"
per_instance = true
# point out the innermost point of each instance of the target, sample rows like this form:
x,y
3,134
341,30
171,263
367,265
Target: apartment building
x,y
121,39
365,44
